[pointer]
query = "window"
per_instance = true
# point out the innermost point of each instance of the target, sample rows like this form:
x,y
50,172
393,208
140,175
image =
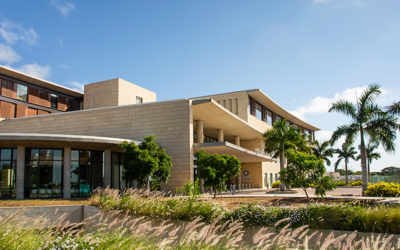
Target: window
x,y
249,105
209,139
8,163
117,169
268,117
287,123
86,172
43,173
139,100
54,101
258,111
22,92
278,118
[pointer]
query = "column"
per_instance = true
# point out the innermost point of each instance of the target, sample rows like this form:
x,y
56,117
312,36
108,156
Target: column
x,y
237,140
107,168
200,135
20,173
200,139
220,135
67,173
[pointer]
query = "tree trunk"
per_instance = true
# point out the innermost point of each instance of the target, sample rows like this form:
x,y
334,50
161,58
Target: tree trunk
x,y
369,173
347,175
215,192
282,166
148,183
305,191
364,168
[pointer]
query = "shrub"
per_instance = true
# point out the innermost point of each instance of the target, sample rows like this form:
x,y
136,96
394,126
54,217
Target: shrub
x,y
276,184
383,189
340,183
356,183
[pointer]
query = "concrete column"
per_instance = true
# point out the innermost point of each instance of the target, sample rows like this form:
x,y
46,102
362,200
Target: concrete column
x,y
237,140
220,135
20,173
200,135
67,173
201,184
107,168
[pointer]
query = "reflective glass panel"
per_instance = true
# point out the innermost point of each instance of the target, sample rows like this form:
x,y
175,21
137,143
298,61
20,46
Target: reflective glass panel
x,y
31,179
74,178
6,154
97,174
84,156
58,155
85,177
46,154
75,155
22,92
115,176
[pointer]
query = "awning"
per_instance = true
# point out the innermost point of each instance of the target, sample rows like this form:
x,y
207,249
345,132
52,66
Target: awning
x,y
244,155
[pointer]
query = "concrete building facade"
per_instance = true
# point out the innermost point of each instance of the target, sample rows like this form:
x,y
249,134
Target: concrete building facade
x,y
70,152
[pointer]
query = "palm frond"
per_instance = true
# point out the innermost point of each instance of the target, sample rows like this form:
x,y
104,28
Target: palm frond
x,y
394,109
345,107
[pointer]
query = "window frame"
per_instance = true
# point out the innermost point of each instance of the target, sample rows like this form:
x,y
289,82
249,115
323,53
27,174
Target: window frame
x,y
13,177
26,93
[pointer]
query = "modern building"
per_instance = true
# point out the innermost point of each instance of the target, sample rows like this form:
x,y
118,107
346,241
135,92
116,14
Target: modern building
x,y
59,142
333,175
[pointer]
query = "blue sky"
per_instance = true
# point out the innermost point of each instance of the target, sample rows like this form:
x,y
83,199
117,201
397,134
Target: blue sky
x,y
303,54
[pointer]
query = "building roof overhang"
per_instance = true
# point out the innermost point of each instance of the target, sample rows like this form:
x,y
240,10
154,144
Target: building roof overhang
x,y
263,99
39,82
13,140
244,155
215,117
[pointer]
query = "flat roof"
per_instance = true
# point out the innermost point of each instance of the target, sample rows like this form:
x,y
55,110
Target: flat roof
x,y
39,82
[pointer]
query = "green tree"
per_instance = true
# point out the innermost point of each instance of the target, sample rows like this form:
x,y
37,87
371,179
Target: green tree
x,y
367,120
394,109
215,169
306,171
323,151
389,171
345,153
371,155
279,139
145,161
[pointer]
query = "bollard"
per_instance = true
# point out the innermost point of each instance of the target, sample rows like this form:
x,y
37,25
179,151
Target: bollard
x,y
211,191
233,189
242,187
246,187
252,186
219,191
226,189
258,187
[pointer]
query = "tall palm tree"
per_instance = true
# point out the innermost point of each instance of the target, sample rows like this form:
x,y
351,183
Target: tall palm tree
x,y
394,109
371,155
323,151
279,139
345,153
367,120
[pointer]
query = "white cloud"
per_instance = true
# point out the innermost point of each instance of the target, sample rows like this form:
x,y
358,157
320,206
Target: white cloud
x,y
12,32
35,69
59,40
325,135
8,55
64,7
65,66
77,86
320,105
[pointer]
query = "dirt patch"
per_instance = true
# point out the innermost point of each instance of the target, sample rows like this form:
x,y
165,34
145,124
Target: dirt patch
x,y
47,202
295,201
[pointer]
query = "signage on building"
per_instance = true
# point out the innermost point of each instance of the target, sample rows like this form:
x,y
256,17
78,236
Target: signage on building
x,y
246,177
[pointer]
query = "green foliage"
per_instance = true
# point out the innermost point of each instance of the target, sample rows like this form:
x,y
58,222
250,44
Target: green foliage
x,y
383,189
339,183
389,171
306,171
276,184
191,189
145,160
215,169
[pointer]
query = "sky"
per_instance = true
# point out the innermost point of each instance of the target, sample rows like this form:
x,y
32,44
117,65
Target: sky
x,y
304,54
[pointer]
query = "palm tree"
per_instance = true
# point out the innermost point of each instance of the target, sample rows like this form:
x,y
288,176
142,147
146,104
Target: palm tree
x,y
345,153
367,120
371,155
279,139
394,109
323,151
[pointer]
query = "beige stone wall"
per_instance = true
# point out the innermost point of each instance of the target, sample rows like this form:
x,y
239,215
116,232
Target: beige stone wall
x,y
170,122
235,102
101,94
268,168
258,124
114,92
127,93
255,173
253,145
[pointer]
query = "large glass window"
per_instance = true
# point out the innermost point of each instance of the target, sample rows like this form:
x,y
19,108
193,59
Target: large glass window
x,y
8,164
22,92
278,118
258,111
117,169
87,168
43,173
54,100
268,117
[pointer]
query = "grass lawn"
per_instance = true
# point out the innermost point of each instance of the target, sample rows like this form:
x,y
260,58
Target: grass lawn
x,y
42,202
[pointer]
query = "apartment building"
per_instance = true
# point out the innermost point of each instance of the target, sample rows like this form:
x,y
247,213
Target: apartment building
x,y
72,148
